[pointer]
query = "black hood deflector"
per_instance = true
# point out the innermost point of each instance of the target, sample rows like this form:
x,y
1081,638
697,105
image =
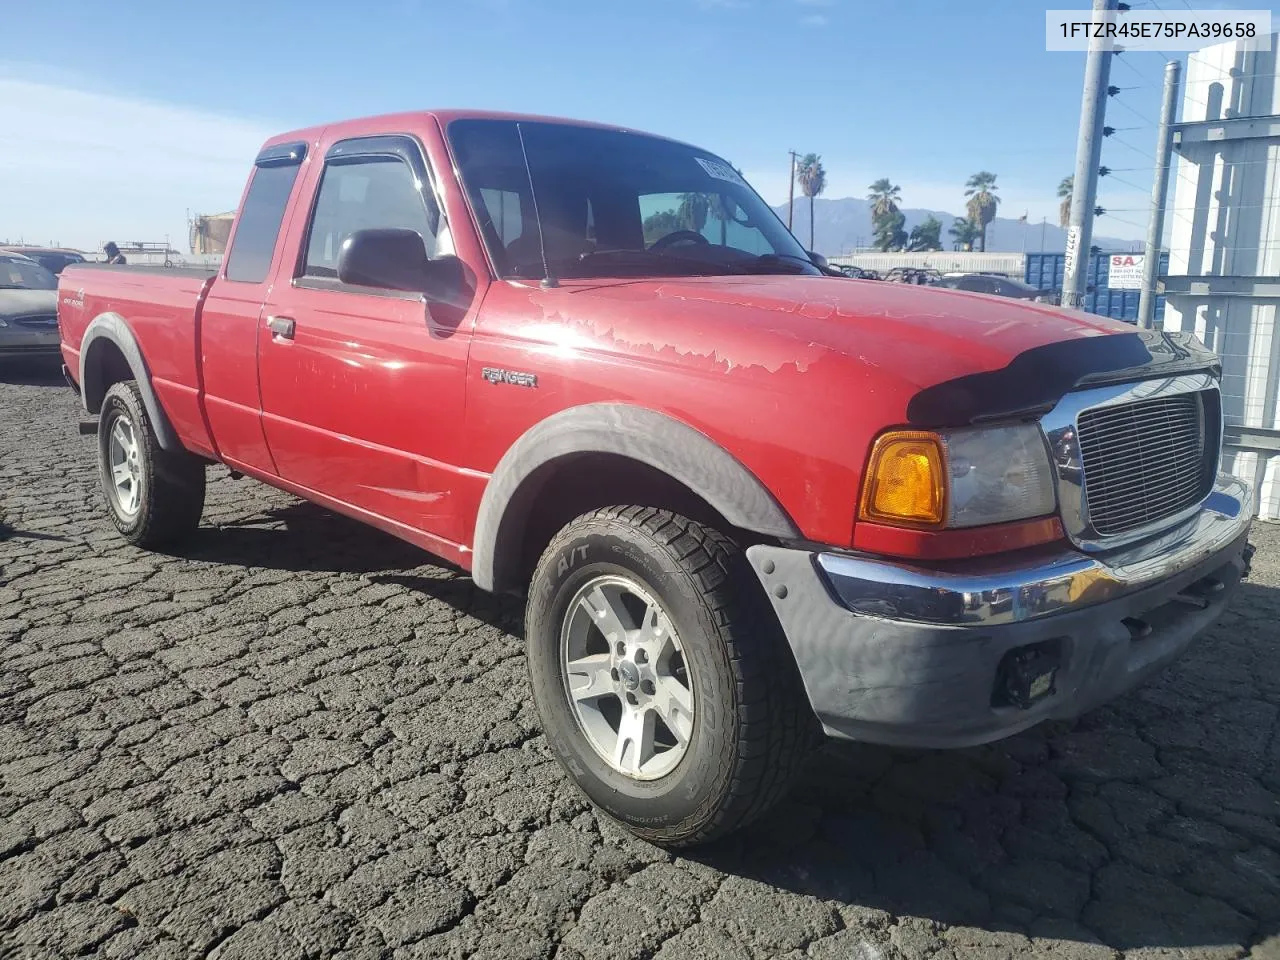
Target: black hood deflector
x,y
1035,380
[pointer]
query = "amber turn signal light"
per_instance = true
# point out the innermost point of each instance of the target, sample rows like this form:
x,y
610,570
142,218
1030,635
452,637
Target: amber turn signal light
x,y
905,481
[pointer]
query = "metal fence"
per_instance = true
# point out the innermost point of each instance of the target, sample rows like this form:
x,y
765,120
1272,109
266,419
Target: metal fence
x,y
1224,273
1009,264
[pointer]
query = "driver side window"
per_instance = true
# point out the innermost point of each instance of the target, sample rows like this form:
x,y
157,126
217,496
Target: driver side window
x,y
369,193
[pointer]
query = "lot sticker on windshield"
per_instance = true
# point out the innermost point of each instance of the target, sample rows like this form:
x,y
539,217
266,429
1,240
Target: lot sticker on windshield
x,y
721,171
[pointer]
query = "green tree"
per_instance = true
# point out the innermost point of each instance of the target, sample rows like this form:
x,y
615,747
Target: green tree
x,y
884,197
926,235
722,207
658,225
964,232
890,232
693,211
1065,189
982,202
718,208
813,180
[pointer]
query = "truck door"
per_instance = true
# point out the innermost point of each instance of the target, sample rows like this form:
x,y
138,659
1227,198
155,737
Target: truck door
x,y
227,337
363,388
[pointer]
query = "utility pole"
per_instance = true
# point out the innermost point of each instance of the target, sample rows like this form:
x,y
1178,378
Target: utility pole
x,y
1155,223
791,190
1084,193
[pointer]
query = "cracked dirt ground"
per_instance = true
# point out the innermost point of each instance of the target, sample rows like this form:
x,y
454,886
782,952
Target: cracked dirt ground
x,y
300,738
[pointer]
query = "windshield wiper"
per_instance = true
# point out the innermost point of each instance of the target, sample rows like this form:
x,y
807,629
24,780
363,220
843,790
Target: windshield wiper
x,y
647,257
772,263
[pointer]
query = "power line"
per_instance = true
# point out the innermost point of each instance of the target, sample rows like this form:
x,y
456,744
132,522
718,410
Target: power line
x,y
1228,75
1124,143
1140,74
1162,10
1140,116
1139,226
1192,206
1228,164
1127,183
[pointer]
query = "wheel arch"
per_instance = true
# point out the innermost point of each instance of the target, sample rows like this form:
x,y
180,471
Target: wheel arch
x,y
678,461
109,353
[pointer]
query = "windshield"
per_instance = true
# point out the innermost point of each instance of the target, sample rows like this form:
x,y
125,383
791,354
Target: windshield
x,y
55,262
18,274
614,204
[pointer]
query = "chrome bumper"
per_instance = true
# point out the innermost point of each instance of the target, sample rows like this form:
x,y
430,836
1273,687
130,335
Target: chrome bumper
x,y
913,656
999,593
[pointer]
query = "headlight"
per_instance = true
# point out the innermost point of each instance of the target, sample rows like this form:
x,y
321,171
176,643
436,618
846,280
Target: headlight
x,y
997,474
958,478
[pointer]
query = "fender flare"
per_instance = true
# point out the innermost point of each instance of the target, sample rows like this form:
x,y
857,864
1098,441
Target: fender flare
x,y
675,448
114,329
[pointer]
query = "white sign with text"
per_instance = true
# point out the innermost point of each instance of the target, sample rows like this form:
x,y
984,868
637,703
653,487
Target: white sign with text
x,y
1125,272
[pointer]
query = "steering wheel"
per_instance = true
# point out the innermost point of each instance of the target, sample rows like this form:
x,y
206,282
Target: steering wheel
x,y
679,236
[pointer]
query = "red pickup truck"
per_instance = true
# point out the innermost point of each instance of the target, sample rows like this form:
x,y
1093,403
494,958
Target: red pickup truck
x,y
748,502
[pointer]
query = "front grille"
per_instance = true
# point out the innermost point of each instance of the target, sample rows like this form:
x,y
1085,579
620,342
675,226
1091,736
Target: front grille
x,y
38,321
1144,461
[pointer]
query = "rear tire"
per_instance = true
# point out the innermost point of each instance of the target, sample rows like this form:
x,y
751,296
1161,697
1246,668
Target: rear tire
x,y
155,497
645,624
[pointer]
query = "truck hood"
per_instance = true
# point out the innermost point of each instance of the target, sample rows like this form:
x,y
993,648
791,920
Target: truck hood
x,y
22,303
967,357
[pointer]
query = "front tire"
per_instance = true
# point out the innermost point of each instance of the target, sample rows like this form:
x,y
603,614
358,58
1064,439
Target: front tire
x,y
663,682
155,497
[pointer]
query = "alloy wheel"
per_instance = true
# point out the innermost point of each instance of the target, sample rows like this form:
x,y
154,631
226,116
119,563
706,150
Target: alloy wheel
x,y
626,677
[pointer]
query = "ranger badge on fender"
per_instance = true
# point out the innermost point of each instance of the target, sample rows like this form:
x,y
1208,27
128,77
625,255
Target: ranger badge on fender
x,y
513,377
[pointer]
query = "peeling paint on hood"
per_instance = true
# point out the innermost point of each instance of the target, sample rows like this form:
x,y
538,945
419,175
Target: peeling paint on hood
x,y
914,334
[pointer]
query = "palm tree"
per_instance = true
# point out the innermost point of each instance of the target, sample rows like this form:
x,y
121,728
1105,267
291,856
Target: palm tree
x,y
813,180
693,211
964,232
982,202
884,197
719,207
1065,189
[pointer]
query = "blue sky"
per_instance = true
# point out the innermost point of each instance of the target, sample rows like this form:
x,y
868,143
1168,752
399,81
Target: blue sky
x,y
122,116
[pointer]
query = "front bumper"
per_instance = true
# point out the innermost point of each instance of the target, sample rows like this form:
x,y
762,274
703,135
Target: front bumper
x,y
16,341
910,656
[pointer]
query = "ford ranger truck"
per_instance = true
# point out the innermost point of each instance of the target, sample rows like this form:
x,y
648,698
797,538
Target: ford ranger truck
x,y
747,503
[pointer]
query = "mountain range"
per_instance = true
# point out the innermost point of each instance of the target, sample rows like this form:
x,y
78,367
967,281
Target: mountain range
x,y
845,225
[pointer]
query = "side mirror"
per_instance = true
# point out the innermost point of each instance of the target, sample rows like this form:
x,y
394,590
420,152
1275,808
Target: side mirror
x,y
819,261
393,259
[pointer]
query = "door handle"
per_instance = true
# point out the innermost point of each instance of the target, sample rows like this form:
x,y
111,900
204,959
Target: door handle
x,y
281,327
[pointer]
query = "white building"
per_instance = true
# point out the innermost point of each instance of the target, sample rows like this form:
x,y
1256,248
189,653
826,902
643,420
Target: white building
x,y
1224,265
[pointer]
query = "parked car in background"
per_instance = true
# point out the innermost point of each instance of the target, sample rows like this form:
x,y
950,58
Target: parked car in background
x,y
858,273
745,506
994,284
52,259
920,276
28,308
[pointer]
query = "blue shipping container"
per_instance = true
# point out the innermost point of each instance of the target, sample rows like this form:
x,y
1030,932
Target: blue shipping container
x,y
1044,272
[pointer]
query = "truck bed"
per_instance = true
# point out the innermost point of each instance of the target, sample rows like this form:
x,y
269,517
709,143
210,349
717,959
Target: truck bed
x,y
161,305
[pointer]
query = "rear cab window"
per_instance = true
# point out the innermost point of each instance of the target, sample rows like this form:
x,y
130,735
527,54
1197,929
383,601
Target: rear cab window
x,y
258,225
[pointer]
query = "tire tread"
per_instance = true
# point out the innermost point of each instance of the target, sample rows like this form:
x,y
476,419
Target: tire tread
x,y
777,722
175,480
